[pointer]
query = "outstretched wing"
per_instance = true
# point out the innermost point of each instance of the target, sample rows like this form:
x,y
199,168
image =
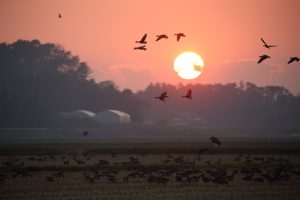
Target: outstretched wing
x,y
215,140
159,37
290,61
189,93
164,94
261,59
140,47
144,38
264,41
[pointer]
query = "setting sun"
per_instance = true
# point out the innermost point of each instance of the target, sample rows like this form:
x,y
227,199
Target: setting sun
x,y
188,65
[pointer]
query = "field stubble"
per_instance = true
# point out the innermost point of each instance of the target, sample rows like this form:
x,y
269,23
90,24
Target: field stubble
x,y
43,161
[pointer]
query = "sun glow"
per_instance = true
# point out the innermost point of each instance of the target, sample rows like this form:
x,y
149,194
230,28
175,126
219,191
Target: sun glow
x,y
188,65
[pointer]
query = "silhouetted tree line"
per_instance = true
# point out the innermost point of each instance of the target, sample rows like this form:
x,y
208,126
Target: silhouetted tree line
x,y
233,105
39,80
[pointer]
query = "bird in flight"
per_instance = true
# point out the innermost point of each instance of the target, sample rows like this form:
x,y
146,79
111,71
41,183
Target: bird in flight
x,y
179,35
143,40
262,58
143,47
162,36
188,94
267,45
162,96
215,140
85,133
59,15
293,59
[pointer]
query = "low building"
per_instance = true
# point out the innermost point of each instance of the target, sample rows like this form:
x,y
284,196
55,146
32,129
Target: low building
x,y
109,117
78,114
76,119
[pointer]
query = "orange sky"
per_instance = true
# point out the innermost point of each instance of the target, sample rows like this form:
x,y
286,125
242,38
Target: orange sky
x,y
226,33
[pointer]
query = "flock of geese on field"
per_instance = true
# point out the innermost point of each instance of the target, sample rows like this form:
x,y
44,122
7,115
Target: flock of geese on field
x,y
173,168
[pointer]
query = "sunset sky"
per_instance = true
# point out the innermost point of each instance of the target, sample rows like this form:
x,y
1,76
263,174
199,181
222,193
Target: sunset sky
x,y
225,33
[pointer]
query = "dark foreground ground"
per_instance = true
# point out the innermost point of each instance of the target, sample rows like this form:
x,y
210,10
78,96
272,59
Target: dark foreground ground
x,y
78,167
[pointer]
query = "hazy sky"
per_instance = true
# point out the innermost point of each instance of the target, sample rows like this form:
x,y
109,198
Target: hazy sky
x,y
225,33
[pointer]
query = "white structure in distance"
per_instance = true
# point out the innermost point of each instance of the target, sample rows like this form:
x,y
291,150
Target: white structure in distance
x,y
110,117
78,114
106,117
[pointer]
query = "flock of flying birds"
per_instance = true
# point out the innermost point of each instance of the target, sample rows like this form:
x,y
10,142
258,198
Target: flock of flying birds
x,y
164,95
264,57
158,37
179,35
188,95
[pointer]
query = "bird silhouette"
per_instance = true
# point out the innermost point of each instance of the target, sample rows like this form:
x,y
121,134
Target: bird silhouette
x,y
188,94
179,35
215,140
85,133
293,59
266,45
143,40
162,36
162,96
59,15
143,47
262,58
